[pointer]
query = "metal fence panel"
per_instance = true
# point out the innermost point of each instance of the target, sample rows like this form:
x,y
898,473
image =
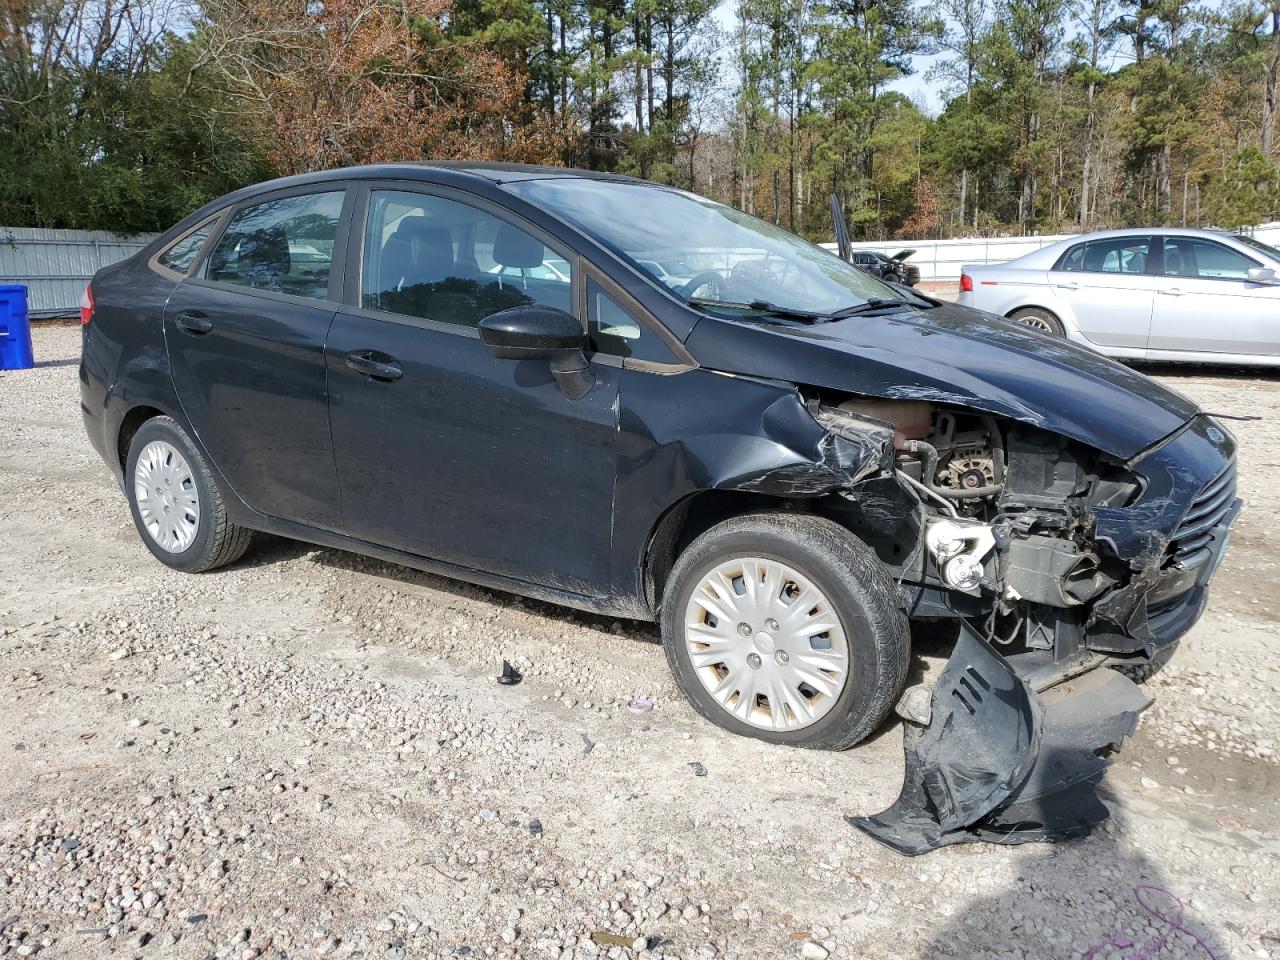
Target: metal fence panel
x,y
56,264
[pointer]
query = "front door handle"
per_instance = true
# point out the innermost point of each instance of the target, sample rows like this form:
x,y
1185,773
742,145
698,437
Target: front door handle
x,y
193,322
1073,285
1173,292
363,361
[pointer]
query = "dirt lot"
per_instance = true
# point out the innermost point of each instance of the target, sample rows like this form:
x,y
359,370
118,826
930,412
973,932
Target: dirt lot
x,y
307,755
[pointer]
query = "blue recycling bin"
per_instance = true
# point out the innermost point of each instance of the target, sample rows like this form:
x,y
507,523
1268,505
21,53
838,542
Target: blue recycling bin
x,y
15,329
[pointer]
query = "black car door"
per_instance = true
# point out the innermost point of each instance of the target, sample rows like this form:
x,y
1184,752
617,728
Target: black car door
x,y
443,450
245,336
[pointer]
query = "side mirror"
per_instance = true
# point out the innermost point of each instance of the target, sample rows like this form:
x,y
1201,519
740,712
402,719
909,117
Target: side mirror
x,y
1262,275
531,333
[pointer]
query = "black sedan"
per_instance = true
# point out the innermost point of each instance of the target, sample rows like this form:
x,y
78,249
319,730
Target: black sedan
x,y
895,269
473,370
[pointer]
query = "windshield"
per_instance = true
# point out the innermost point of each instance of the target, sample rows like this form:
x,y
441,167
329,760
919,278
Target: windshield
x,y
704,251
1259,245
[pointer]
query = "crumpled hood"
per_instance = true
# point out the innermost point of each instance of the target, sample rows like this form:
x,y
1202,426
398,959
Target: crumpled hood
x,y
952,354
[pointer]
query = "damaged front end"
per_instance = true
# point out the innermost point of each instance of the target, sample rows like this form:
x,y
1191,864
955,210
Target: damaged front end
x,y
1057,562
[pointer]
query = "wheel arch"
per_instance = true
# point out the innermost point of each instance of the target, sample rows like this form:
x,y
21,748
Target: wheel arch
x,y
131,420
1056,314
788,461
692,516
130,424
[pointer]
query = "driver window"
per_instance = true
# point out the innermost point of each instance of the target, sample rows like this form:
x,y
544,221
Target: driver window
x,y
614,330
1192,257
438,259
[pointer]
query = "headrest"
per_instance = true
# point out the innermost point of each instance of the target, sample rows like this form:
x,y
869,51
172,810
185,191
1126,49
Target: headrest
x,y
1094,255
513,247
423,231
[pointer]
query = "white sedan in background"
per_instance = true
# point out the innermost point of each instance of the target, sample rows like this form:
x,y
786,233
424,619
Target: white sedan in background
x,y
1202,296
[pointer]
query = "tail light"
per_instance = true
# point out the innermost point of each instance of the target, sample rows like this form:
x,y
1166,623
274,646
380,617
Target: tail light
x,y
86,306
966,283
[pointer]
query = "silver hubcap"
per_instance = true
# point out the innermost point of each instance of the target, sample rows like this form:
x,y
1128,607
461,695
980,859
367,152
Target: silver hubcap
x,y
1037,323
766,643
166,494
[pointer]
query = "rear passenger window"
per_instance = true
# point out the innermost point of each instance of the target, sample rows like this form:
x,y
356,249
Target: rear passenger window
x,y
438,259
1115,255
1073,259
182,254
285,246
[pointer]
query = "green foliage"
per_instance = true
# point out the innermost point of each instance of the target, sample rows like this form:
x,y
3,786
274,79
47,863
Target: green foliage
x,y
1056,114
115,150
1246,193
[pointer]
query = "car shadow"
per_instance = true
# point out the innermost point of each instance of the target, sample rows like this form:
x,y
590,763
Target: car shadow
x,y
929,640
268,550
1096,898
1164,368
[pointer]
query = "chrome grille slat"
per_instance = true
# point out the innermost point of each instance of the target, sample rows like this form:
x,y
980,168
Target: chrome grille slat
x,y
1191,558
1200,526
1209,506
1225,476
1191,544
1207,510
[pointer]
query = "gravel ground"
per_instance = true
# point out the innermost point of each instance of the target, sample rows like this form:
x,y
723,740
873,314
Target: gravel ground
x,y
307,755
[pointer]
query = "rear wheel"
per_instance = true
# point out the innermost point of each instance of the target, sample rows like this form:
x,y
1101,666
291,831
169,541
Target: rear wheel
x,y
786,628
1039,319
176,504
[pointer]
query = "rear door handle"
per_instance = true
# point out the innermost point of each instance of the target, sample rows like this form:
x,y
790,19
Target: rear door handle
x,y
1173,292
1073,285
194,322
362,361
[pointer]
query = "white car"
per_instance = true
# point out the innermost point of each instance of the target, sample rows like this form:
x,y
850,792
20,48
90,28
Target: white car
x,y
1149,294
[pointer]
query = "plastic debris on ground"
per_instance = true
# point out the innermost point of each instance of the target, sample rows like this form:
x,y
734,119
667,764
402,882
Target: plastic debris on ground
x,y
510,676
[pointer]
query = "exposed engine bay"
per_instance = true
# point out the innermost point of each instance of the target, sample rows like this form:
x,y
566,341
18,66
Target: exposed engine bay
x,y
1057,561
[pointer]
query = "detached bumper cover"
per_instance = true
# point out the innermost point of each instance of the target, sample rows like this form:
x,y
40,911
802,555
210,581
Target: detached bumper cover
x,y
1001,762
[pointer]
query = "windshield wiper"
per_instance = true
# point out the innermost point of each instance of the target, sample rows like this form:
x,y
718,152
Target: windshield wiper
x,y
760,306
875,303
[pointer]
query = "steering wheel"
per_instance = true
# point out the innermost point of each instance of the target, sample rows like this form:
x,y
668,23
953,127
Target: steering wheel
x,y
708,278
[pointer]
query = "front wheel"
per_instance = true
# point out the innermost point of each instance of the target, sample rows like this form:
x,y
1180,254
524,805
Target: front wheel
x,y
786,628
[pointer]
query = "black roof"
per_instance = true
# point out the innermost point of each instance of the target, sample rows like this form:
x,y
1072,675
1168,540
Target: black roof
x,y
422,170
447,172
440,171
508,172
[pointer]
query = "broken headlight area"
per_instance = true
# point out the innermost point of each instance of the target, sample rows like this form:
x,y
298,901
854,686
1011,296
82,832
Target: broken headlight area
x,y
1058,562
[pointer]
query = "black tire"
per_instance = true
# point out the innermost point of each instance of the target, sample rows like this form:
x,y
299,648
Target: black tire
x,y
860,591
1142,672
1039,319
218,541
